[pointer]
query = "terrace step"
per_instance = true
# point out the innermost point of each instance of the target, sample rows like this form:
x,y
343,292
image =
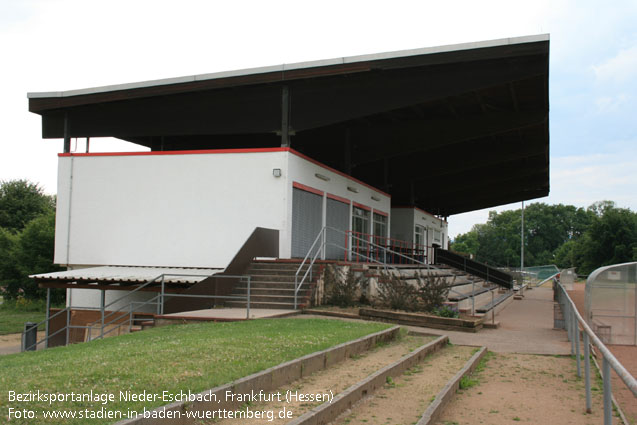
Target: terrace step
x,y
497,301
261,304
272,284
254,292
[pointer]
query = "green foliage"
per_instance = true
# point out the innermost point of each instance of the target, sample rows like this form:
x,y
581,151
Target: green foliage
x,y
446,311
14,313
343,289
559,234
20,202
27,234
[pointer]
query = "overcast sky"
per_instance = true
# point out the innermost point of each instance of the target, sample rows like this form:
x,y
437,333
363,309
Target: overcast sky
x,y
51,45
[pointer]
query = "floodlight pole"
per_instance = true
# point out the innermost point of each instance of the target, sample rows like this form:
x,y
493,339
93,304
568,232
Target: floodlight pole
x,y
522,252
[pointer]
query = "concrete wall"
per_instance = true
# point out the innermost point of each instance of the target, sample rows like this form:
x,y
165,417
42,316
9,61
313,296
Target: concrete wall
x,y
404,220
192,210
184,209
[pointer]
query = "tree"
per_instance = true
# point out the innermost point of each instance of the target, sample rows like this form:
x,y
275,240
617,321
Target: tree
x,y
20,202
34,253
27,235
610,239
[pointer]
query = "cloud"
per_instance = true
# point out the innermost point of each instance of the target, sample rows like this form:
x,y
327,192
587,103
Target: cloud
x,y
618,69
610,104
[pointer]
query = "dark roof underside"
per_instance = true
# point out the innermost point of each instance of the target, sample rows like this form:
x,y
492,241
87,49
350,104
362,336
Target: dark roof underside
x,y
448,132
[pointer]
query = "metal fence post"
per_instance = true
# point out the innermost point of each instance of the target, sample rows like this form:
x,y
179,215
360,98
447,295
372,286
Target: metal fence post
x,y
48,316
248,302
587,372
161,295
102,311
68,321
577,348
608,408
473,297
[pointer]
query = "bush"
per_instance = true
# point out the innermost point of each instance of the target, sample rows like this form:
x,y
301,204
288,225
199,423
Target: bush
x,y
432,291
343,289
427,294
396,293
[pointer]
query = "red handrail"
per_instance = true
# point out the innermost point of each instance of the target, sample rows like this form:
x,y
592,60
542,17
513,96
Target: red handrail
x,y
363,251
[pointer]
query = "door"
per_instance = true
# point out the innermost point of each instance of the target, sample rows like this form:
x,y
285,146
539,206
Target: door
x,y
307,221
337,218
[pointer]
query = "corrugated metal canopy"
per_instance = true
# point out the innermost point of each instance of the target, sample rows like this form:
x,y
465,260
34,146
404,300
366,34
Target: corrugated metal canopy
x,y
448,129
121,275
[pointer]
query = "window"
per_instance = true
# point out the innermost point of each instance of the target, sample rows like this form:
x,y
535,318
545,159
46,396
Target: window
x,y
380,227
360,220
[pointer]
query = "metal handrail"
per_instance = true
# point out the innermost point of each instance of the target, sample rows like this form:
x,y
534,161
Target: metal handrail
x,y
324,243
157,299
572,322
46,338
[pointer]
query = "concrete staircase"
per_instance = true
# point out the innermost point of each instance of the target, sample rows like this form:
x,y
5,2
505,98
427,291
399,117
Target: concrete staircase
x,y
272,285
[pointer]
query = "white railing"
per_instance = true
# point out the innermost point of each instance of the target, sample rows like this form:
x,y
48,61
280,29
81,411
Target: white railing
x,y
573,321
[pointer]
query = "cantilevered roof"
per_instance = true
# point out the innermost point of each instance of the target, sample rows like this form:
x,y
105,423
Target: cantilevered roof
x,y
448,129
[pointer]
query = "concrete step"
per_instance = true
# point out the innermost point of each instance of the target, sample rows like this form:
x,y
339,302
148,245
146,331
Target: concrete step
x,y
270,291
481,299
274,285
273,277
497,300
261,304
273,298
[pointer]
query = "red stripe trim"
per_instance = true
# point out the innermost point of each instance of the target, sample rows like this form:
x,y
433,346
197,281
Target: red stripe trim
x,y
195,152
340,173
338,198
361,206
307,188
379,212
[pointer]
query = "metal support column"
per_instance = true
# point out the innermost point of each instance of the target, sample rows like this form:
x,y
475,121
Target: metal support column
x,y
248,300
348,152
68,323
161,295
48,316
587,373
608,406
285,117
102,296
577,348
67,133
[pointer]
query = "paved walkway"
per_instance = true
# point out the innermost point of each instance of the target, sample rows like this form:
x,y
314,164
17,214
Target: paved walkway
x,y
526,326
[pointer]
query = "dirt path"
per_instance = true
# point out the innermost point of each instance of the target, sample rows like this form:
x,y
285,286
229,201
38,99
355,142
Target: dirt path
x,y
528,389
404,399
336,379
11,343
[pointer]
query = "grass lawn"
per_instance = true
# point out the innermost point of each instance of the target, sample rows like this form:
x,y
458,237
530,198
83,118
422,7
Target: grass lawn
x,y
12,318
171,358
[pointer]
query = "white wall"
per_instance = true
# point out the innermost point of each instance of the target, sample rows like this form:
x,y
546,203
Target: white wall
x,y
404,220
192,210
